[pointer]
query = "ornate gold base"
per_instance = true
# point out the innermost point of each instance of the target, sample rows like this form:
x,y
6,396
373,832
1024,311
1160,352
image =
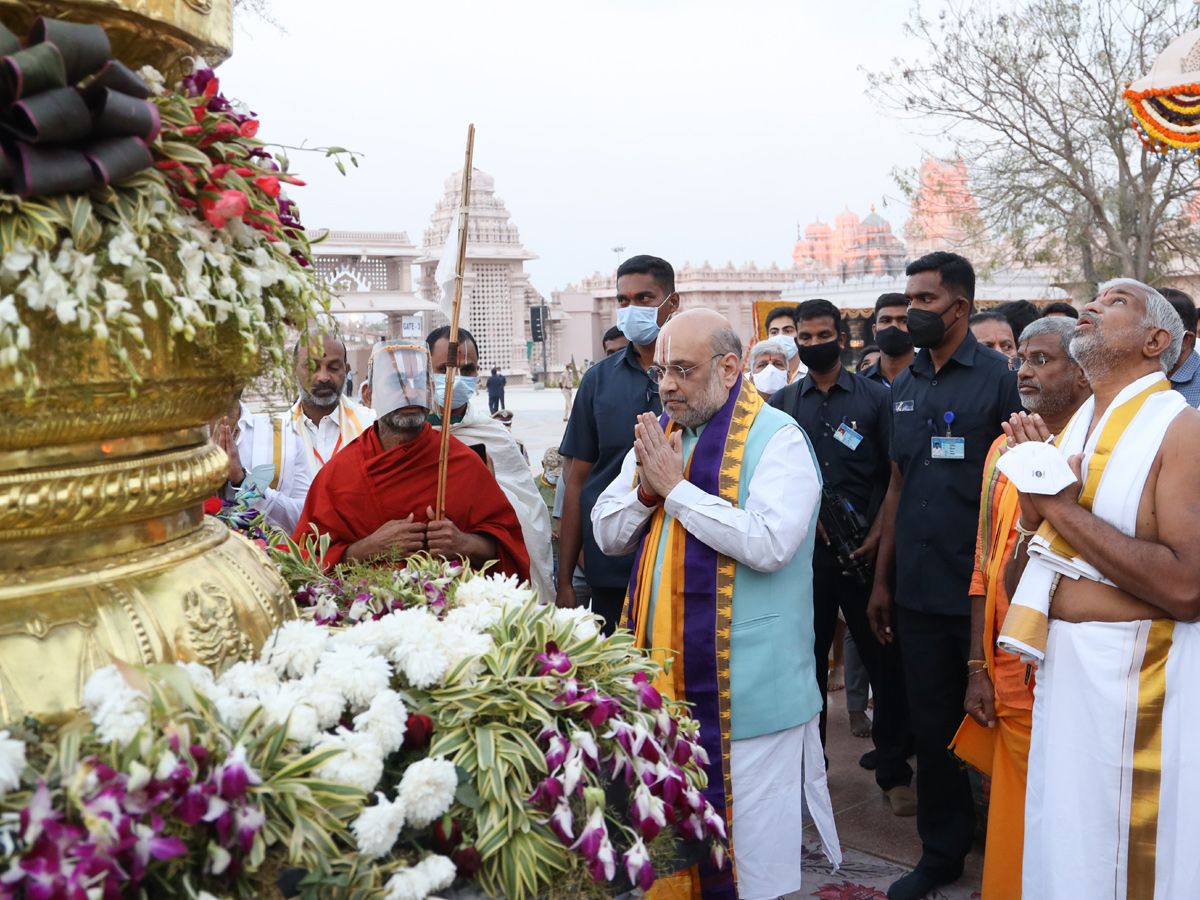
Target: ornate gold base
x,y
209,597
159,32
105,552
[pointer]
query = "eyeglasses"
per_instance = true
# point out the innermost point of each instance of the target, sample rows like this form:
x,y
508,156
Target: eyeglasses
x,y
655,373
1037,360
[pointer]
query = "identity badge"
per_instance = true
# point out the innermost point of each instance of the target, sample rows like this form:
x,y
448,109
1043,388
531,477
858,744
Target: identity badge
x,y
948,448
848,436
903,406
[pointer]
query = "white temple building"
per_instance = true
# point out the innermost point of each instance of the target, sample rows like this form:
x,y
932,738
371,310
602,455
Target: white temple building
x,y
497,294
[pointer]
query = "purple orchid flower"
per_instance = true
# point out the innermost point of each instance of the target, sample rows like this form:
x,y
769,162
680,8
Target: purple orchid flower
x,y
548,793
603,866
648,695
248,821
713,822
594,832
602,709
235,775
37,813
637,865
570,692
562,823
556,753
692,828
149,843
554,661
719,857
647,813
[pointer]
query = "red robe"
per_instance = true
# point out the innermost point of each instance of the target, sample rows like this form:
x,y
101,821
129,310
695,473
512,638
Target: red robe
x,y
364,486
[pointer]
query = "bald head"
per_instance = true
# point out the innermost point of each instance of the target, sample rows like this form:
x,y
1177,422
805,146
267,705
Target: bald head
x,y
700,356
692,332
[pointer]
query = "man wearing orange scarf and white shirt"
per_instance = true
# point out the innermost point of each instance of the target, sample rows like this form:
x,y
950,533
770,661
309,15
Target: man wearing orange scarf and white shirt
x,y
324,419
994,738
1107,604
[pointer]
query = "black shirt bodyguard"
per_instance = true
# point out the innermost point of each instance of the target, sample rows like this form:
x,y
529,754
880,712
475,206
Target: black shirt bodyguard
x,y
612,394
938,516
860,474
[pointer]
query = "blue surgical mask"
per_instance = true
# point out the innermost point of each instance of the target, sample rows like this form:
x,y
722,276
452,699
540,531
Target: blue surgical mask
x,y
640,323
787,344
464,390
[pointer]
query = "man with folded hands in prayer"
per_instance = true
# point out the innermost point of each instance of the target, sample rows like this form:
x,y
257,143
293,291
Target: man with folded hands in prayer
x,y
723,584
376,497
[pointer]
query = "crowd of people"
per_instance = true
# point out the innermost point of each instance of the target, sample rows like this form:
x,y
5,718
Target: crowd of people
x,y
1029,615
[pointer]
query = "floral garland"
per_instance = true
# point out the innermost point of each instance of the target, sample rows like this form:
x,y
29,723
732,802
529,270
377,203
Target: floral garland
x,y
205,241
500,739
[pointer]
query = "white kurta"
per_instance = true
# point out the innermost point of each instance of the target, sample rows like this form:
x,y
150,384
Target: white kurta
x,y
764,535
516,480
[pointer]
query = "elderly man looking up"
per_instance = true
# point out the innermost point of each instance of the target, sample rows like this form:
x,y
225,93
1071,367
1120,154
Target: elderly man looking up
x,y
376,498
1107,602
994,738
723,583
769,366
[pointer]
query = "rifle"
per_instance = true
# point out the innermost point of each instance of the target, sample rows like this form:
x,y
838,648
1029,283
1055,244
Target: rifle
x,y
846,529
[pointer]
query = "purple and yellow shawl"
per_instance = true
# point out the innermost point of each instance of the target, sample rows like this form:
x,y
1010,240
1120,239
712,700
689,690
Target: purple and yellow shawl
x,y
693,630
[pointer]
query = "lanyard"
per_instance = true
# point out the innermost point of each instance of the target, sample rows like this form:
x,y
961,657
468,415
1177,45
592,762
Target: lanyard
x,y
336,448
346,418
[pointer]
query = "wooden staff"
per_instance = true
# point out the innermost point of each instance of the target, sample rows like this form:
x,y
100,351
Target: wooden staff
x,y
452,347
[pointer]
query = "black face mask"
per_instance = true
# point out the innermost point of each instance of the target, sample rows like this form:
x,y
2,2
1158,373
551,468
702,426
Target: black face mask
x,y
925,328
820,357
893,341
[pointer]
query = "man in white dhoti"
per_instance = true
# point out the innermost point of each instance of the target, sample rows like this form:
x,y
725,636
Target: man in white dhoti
x,y
1108,596
722,510
471,425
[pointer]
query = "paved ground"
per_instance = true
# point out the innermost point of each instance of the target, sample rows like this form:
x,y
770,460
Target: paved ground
x,y
537,419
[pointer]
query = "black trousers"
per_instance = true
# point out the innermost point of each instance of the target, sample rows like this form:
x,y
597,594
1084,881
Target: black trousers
x,y
608,602
935,649
495,403
890,725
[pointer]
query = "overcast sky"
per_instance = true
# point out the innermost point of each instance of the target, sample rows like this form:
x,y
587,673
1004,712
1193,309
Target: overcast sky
x,y
689,129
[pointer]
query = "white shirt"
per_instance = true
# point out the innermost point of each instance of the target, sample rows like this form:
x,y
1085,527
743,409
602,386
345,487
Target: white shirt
x,y
783,493
321,441
282,504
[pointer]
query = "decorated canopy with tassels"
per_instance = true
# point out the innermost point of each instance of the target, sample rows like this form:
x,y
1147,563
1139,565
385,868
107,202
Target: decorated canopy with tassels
x,y
1166,103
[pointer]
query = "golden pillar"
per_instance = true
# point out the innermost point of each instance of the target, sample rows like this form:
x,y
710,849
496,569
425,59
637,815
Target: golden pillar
x,y
104,548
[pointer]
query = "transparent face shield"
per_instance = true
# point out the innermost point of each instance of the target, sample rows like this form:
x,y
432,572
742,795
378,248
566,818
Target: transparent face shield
x,y
399,377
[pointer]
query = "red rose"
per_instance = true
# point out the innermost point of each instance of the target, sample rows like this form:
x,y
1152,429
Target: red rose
x,y
419,732
446,837
213,505
467,861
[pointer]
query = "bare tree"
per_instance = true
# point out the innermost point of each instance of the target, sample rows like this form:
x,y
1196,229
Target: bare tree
x,y
1029,94
259,8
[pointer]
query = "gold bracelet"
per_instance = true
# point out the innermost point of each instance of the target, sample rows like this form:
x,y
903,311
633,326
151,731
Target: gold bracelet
x,y
976,662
